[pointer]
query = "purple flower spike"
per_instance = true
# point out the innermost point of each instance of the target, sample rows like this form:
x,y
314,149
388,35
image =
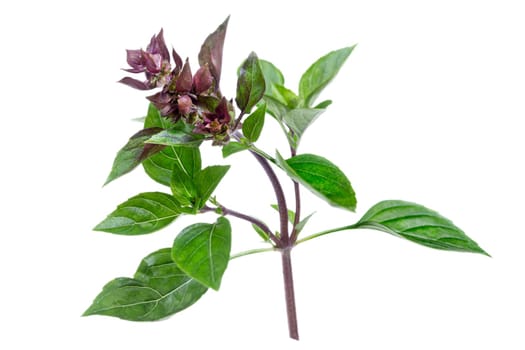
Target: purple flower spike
x,y
135,61
155,62
157,46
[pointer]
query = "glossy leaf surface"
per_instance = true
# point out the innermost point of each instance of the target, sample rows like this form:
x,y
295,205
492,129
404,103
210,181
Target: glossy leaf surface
x,y
203,250
253,125
417,224
207,180
159,289
159,166
250,84
187,163
321,177
145,213
133,153
233,147
211,51
176,137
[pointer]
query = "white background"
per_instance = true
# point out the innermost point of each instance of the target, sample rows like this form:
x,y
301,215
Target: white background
x,y
427,109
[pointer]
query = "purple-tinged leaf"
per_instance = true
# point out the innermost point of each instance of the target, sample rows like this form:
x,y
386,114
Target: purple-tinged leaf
x,y
158,46
136,84
211,51
177,59
133,153
153,62
135,60
184,81
250,84
162,101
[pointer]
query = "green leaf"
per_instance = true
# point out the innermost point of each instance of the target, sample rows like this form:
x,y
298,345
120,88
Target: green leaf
x,y
207,180
133,153
261,233
176,137
233,147
272,75
159,289
291,213
276,108
321,73
145,213
250,84
291,218
159,166
285,96
185,167
321,177
417,224
159,271
276,104
203,250
303,223
155,120
253,125
300,119
323,105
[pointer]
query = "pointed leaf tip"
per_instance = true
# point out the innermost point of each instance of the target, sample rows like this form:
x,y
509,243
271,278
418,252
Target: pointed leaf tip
x,y
321,73
250,84
133,153
211,51
418,224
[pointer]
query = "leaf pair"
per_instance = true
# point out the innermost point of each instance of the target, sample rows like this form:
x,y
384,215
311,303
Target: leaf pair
x,y
169,280
152,140
297,111
151,211
159,289
192,186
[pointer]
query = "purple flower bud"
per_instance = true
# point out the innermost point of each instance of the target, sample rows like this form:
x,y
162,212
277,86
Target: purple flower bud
x,y
185,104
155,62
203,80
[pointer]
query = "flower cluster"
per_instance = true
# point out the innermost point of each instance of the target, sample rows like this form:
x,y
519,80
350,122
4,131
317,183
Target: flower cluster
x,y
193,98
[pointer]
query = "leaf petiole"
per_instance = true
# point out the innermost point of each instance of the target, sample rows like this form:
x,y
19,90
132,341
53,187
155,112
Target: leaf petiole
x,y
322,233
252,251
